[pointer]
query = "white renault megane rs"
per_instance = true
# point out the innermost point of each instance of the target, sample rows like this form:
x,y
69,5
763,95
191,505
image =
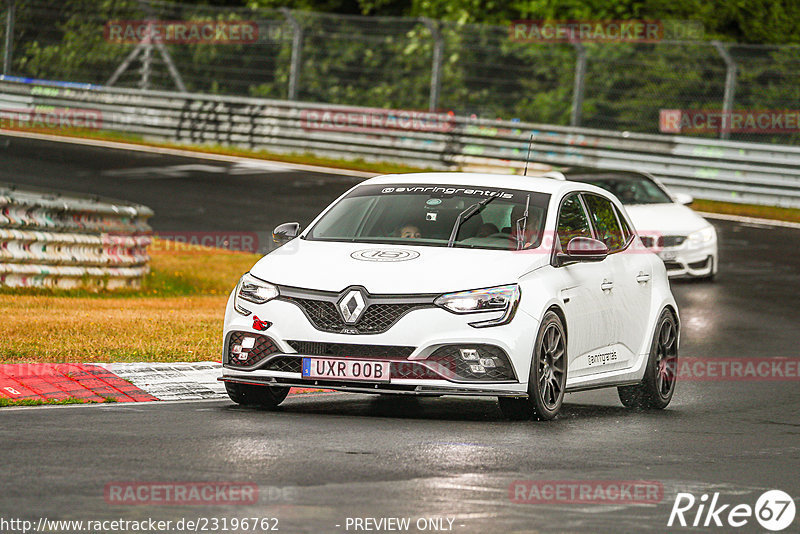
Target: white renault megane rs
x,y
457,284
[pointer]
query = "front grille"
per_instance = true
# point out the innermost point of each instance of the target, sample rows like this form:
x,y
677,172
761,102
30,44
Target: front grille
x,y
263,347
315,348
286,364
673,266
456,368
376,319
664,241
322,313
413,370
447,360
672,240
648,241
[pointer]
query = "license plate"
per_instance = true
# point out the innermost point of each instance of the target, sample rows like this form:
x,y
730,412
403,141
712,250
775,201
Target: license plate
x,y
330,369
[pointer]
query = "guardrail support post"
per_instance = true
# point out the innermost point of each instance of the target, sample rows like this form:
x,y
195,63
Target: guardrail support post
x,y
9,40
297,53
579,85
436,62
730,86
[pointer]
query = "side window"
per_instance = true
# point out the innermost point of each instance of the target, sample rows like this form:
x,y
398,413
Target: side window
x,y
626,230
572,221
605,221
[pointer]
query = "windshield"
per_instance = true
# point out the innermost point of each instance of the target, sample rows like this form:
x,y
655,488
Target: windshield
x,y
628,188
426,215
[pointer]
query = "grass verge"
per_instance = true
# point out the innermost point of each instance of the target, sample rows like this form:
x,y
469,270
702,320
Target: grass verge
x,y
748,210
176,315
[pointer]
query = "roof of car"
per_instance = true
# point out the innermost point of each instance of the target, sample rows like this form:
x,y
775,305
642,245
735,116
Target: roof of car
x,y
580,174
500,181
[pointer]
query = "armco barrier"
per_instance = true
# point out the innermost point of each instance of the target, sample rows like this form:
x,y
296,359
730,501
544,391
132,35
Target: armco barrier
x,y
67,241
708,168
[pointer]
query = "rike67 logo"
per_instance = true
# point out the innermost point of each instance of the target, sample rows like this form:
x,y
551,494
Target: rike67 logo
x,y
774,510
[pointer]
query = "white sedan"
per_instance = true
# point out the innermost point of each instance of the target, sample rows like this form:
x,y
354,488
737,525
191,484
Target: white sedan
x,y
683,239
457,284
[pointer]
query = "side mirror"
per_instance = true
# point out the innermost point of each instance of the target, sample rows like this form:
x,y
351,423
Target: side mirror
x,y
683,198
583,249
285,232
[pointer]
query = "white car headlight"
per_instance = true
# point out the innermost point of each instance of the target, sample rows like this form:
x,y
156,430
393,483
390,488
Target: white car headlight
x,y
500,298
253,290
701,237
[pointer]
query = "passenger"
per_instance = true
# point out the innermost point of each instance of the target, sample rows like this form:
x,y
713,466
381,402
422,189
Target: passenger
x,y
409,231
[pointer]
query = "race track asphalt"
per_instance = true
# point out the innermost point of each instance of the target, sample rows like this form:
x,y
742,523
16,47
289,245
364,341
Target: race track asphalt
x,y
323,458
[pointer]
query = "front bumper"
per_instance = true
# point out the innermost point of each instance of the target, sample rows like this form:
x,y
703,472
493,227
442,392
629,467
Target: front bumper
x,y
376,389
410,345
686,261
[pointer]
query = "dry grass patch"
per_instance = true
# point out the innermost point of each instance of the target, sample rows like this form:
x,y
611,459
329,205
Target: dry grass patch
x,y
86,329
176,316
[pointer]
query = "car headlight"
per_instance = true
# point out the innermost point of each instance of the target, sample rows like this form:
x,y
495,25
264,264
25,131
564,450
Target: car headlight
x,y
253,290
500,298
701,237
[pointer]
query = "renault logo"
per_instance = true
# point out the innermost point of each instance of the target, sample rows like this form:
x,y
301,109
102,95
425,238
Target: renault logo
x,y
352,306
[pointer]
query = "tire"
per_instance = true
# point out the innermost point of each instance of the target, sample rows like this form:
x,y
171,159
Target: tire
x,y
548,376
658,385
268,397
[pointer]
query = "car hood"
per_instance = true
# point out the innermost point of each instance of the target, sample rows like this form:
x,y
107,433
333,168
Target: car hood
x,y
665,219
329,266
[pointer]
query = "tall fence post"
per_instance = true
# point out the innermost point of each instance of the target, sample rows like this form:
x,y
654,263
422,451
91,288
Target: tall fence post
x,y
730,86
436,62
9,40
579,85
147,64
297,53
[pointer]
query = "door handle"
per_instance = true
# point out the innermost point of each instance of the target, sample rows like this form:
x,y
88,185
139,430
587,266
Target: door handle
x,y
643,278
607,285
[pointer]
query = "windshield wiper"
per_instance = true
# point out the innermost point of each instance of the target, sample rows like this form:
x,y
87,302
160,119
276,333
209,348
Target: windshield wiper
x,y
521,225
466,214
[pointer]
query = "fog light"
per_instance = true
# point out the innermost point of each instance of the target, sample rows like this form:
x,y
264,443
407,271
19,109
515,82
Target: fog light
x,y
236,349
488,362
477,369
248,343
469,355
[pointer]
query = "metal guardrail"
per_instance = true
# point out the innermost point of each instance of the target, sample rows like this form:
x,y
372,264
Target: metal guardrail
x,y
53,240
707,168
